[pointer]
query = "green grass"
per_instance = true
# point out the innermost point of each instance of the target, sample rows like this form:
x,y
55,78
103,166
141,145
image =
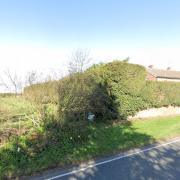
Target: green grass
x,y
17,105
41,149
101,140
159,128
15,116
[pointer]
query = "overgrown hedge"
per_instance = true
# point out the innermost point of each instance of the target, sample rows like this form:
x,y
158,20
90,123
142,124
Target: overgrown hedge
x,y
111,91
81,94
43,92
124,83
132,93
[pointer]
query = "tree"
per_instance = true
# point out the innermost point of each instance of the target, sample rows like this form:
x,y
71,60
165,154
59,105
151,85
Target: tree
x,y
31,78
80,60
11,81
126,60
3,83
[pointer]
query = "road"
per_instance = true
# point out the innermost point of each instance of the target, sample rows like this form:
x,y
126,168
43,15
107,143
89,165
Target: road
x,y
155,162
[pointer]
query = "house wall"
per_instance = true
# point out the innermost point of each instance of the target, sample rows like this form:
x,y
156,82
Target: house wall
x,y
150,77
155,112
171,80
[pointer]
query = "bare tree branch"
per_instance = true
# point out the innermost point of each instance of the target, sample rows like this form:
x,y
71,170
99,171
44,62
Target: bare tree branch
x,y
12,82
3,84
79,61
31,78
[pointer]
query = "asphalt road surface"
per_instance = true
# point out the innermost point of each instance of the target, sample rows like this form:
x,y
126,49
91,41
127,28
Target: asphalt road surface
x,y
156,162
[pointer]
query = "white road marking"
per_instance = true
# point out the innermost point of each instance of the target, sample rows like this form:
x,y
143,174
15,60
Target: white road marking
x,y
113,159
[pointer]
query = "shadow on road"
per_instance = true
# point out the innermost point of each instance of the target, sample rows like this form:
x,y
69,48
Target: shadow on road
x,y
162,163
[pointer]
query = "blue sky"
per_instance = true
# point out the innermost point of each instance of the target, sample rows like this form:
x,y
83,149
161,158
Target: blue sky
x,y
69,23
42,33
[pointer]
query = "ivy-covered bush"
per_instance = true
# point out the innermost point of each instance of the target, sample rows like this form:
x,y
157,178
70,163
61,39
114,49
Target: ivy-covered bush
x,y
124,83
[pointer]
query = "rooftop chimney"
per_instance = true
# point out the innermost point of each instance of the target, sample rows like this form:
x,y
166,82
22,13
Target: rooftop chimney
x,y
150,66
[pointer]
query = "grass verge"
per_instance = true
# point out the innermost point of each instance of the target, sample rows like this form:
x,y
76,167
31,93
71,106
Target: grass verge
x,y
15,117
102,139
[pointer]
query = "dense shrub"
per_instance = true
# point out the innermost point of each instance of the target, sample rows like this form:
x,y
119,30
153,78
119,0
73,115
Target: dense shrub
x,y
124,83
119,88
159,94
80,94
110,91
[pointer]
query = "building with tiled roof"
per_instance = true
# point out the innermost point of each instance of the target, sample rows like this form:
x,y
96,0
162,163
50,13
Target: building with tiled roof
x,y
162,75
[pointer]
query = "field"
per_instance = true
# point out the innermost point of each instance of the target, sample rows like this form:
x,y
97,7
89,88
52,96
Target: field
x,y
24,150
16,117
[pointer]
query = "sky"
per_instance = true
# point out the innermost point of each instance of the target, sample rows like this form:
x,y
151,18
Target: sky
x,y
42,34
